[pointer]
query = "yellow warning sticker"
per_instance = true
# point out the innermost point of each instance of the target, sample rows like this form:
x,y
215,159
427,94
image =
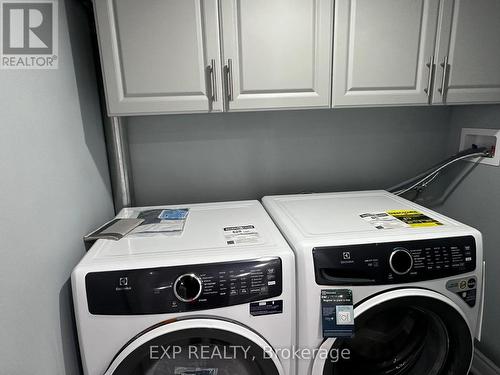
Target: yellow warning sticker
x,y
414,219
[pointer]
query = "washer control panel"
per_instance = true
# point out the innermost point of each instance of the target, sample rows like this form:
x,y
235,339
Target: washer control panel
x,y
183,288
394,262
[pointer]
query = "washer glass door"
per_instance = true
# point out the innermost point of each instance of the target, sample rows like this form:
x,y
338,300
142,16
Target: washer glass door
x,y
410,335
196,347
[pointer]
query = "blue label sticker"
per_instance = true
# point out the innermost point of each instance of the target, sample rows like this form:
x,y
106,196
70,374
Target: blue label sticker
x,y
337,313
178,214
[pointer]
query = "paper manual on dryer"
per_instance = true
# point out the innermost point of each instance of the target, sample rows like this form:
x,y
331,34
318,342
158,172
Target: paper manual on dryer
x,y
166,221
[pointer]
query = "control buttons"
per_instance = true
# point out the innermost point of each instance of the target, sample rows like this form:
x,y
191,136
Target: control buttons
x,y
465,289
401,261
471,283
187,287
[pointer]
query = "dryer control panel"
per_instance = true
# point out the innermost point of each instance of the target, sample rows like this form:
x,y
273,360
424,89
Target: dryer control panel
x,y
394,262
183,288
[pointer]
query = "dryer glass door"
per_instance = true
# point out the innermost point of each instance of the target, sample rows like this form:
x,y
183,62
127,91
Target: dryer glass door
x,y
196,346
410,335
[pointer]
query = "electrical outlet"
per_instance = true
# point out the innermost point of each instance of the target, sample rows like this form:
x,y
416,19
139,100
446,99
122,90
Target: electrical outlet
x,y
489,138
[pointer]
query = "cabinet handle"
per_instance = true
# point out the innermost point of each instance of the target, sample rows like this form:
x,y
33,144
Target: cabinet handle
x,y
229,80
431,65
213,81
444,65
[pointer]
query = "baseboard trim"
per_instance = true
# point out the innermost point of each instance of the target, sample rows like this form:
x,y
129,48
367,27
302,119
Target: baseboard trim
x,y
482,365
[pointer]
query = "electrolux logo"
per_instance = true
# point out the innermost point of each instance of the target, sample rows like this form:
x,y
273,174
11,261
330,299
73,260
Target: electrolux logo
x,y
29,34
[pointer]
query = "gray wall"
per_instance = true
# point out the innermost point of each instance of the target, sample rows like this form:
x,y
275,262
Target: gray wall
x,y
54,187
54,180
230,156
476,201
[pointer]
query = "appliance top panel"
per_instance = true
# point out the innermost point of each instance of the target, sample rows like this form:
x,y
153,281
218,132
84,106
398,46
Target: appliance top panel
x,y
241,228
342,216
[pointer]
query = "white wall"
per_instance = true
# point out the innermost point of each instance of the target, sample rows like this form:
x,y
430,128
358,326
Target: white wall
x,y
228,156
476,201
53,188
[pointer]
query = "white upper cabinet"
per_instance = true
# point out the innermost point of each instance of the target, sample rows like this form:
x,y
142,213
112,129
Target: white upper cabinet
x,y
381,52
469,50
277,53
160,56
186,56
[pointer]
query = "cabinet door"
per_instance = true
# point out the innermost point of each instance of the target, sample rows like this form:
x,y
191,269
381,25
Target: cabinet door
x,y
278,53
156,55
469,49
381,51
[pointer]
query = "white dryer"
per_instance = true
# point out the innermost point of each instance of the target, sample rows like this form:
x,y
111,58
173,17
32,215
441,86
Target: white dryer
x,y
414,276
216,299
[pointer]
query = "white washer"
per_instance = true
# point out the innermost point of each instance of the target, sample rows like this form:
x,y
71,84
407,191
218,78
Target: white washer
x,y
416,279
220,296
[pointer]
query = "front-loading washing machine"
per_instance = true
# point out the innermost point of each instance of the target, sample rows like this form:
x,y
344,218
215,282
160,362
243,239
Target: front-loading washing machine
x,y
214,297
385,286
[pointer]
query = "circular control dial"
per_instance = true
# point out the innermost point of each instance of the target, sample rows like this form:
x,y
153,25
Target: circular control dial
x,y
401,261
187,287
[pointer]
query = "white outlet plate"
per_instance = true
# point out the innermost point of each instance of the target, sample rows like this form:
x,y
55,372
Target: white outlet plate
x,y
482,138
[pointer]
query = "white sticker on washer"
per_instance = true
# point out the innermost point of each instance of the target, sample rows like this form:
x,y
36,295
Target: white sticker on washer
x,y
400,219
242,235
382,220
345,315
